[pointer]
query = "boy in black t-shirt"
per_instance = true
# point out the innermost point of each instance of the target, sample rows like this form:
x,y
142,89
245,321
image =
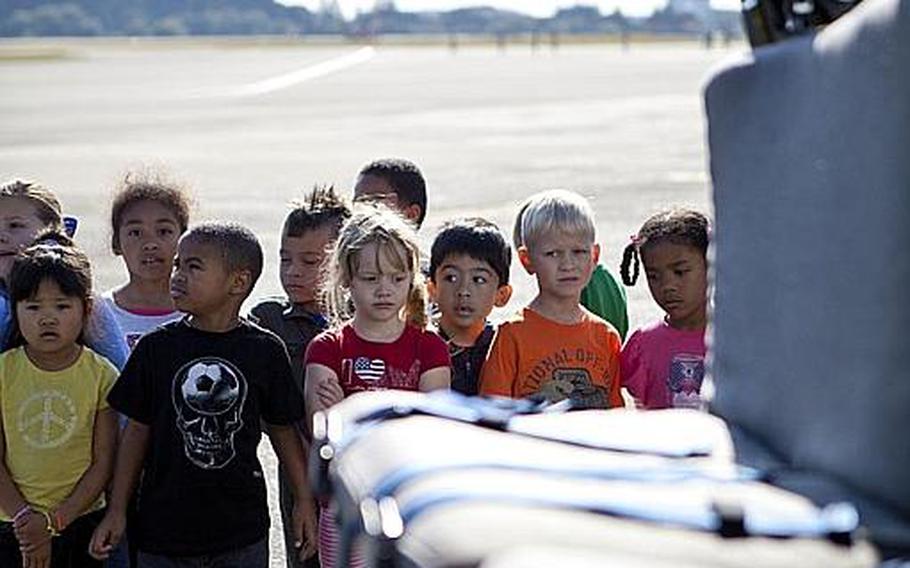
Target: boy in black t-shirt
x,y
309,231
195,392
469,275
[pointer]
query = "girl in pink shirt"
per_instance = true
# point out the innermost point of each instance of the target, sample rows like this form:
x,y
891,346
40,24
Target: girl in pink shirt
x,y
662,364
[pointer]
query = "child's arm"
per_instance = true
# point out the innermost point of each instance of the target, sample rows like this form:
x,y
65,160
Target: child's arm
x,y
500,369
104,336
633,370
32,525
96,477
287,443
133,445
435,379
321,390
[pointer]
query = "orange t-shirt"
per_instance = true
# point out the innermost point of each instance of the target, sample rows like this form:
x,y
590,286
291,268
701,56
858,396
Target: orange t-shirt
x,y
532,354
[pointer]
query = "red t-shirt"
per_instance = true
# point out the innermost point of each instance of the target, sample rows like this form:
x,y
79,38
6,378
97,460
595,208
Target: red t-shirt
x,y
363,365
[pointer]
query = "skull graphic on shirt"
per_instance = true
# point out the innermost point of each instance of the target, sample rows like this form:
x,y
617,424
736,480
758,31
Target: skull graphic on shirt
x,y
208,396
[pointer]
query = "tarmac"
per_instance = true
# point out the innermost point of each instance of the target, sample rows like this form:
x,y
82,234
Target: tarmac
x,y
251,125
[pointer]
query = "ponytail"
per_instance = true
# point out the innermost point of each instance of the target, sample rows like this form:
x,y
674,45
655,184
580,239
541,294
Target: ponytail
x,y
416,305
630,258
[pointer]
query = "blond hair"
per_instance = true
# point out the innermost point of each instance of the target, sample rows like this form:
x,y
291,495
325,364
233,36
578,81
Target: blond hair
x,y
395,241
47,206
554,211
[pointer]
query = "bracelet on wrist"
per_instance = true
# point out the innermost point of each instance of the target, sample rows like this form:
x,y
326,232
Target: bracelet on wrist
x,y
25,510
51,530
59,525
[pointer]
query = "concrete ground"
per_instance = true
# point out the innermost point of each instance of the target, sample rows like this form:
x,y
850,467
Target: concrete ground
x,y
252,125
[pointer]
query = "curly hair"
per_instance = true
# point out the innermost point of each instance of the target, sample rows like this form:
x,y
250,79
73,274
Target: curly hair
x,y
136,187
678,226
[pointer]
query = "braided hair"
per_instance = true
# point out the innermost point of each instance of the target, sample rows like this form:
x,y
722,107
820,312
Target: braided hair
x,y
678,226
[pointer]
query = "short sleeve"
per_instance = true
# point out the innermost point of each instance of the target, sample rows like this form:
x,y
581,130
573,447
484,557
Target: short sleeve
x,y
132,394
104,336
107,378
633,370
434,352
501,367
325,349
283,403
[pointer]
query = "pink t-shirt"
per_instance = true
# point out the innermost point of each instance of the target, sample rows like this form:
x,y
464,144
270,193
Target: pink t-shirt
x,y
664,367
363,365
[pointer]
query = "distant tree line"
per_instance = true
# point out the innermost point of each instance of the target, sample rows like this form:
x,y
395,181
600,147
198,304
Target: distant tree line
x,y
247,17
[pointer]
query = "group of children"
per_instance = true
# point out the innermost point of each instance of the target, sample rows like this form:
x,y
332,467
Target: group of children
x,y
362,311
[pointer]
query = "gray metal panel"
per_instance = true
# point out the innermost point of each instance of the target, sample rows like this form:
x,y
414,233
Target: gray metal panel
x,y
810,157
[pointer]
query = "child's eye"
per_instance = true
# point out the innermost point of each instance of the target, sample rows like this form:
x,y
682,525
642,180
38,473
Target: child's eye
x,y
16,225
64,306
166,231
451,278
399,278
480,280
31,307
285,260
133,233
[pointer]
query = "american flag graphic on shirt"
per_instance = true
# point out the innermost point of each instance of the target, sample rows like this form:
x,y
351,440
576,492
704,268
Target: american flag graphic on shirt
x,y
368,369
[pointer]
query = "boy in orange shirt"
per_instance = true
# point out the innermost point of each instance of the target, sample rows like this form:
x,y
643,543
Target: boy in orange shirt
x,y
555,347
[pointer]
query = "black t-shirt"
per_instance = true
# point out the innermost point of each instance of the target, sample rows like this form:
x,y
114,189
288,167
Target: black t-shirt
x,y
468,361
203,395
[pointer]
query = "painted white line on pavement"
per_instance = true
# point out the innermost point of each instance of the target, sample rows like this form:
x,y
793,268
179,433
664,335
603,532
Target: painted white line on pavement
x,y
286,80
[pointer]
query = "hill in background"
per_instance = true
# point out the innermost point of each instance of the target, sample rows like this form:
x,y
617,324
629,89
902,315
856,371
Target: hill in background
x,y
262,17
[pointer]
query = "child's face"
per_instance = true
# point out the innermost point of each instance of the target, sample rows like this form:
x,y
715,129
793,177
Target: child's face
x,y
50,322
148,240
466,290
379,290
677,278
19,224
562,262
301,263
372,189
201,284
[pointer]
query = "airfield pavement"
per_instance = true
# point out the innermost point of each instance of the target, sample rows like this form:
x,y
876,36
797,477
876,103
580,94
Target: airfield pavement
x,y
249,125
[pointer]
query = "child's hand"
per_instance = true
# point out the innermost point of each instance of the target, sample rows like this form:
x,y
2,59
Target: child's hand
x,y
305,534
31,532
107,535
38,558
329,393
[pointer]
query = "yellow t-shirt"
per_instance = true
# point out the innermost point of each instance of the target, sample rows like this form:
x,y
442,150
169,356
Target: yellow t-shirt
x,y
48,423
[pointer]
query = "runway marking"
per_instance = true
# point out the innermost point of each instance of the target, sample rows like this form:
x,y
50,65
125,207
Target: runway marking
x,y
293,78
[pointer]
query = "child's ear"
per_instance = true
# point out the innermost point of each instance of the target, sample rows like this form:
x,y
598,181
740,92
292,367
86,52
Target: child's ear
x,y
412,212
503,295
88,306
525,258
240,282
596,251
431,290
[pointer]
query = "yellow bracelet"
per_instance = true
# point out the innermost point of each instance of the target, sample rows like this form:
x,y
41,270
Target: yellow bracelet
x,y
50,525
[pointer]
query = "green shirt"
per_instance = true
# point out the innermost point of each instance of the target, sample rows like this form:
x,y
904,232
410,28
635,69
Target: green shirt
x,y
606,297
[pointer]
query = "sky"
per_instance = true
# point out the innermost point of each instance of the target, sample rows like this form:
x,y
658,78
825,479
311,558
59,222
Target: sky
x,y
540,8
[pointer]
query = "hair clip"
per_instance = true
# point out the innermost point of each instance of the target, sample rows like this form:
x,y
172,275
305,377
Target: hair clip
x,y
70,224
